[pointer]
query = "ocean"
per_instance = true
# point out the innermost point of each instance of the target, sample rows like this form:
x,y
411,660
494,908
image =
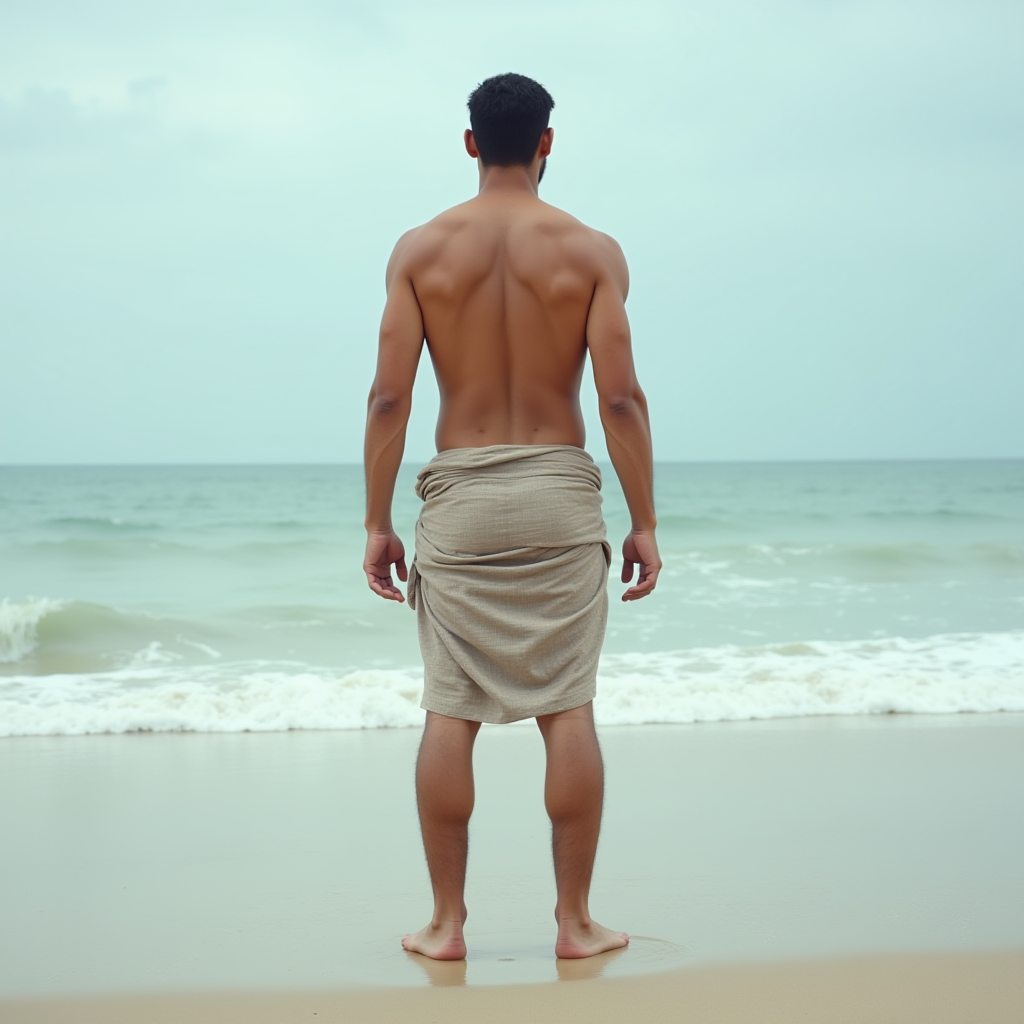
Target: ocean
x,y
230,598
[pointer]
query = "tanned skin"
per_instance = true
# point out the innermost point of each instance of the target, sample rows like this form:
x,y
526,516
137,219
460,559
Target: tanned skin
x,y
509,294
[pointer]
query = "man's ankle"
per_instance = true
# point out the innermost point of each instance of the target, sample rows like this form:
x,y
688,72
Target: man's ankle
x,y
574,915
445,920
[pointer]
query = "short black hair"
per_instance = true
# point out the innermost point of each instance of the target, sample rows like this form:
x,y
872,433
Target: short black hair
x,y
508,114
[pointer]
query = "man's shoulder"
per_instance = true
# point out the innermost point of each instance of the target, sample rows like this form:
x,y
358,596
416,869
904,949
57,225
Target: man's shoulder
x,y
593,246
436,231
447,221
576,230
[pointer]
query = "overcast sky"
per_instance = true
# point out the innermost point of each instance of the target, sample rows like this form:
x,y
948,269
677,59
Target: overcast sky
x,y
821,202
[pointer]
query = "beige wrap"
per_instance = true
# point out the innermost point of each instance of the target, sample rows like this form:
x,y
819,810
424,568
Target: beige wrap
x,y
509,582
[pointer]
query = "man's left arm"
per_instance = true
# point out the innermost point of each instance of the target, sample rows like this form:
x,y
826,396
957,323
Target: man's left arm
x,y
388,408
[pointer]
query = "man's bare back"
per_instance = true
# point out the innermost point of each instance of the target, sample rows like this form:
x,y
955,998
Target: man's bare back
x,y
504,285
509,295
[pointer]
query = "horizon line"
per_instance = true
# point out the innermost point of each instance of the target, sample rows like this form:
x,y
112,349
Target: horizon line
x,y
857,460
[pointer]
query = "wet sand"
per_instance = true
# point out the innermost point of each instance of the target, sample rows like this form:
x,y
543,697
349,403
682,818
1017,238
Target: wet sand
x,y
938,989
846,869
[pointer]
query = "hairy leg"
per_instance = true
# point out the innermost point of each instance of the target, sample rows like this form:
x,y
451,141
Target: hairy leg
x,y
444,795
574,796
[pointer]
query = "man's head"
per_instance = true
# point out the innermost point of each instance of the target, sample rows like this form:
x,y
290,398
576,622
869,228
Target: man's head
x,y
509,114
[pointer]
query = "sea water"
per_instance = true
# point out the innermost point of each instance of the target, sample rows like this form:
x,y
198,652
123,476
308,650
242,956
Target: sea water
x,y
232,597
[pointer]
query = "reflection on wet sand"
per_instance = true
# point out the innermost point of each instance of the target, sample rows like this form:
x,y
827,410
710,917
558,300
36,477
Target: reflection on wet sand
x,y
449,973
442,973
589,967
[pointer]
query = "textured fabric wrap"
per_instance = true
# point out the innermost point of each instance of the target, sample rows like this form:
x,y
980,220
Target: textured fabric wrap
x,y
509,582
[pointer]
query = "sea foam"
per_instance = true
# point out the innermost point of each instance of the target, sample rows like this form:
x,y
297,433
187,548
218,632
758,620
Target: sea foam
x,y
982,672
943,674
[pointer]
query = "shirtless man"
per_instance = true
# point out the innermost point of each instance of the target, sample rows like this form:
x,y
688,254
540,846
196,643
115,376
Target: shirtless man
x,y
510,294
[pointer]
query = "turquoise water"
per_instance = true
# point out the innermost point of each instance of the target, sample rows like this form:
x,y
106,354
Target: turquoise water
x,y
232,597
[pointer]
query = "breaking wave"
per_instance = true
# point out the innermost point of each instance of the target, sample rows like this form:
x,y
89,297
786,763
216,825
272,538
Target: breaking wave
x,y
19,623
943,674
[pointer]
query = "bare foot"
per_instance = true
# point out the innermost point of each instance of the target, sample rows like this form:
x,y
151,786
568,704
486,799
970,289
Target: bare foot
x,y
577,940
442,941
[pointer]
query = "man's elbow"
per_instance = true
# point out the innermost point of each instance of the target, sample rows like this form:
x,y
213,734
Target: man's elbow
x,y
623,405
387,404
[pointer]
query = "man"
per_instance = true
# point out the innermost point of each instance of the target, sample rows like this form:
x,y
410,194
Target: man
x,y
510,577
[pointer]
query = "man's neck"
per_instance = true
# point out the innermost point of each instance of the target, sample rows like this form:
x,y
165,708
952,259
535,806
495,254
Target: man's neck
x,y
508,181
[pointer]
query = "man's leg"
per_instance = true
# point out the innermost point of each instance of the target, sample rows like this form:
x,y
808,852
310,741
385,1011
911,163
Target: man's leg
x,y
444,794
574,795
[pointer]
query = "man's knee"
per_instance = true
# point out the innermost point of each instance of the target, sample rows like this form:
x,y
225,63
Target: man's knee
x,y
579,719
447,730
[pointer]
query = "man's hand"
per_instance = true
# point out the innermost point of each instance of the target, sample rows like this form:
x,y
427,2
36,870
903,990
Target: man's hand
x,y
640,548
384,549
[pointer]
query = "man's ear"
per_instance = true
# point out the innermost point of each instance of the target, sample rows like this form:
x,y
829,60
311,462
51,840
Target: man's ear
x,y
547,137
471,144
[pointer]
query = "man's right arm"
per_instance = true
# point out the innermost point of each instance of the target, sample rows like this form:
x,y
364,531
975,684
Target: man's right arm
x,y
623,409
388,408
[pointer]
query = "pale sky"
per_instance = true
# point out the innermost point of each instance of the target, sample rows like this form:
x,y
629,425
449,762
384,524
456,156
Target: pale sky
x,y
821,202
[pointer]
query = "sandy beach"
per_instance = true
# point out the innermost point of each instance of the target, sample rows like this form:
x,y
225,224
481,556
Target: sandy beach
x,y
829,869
937,989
